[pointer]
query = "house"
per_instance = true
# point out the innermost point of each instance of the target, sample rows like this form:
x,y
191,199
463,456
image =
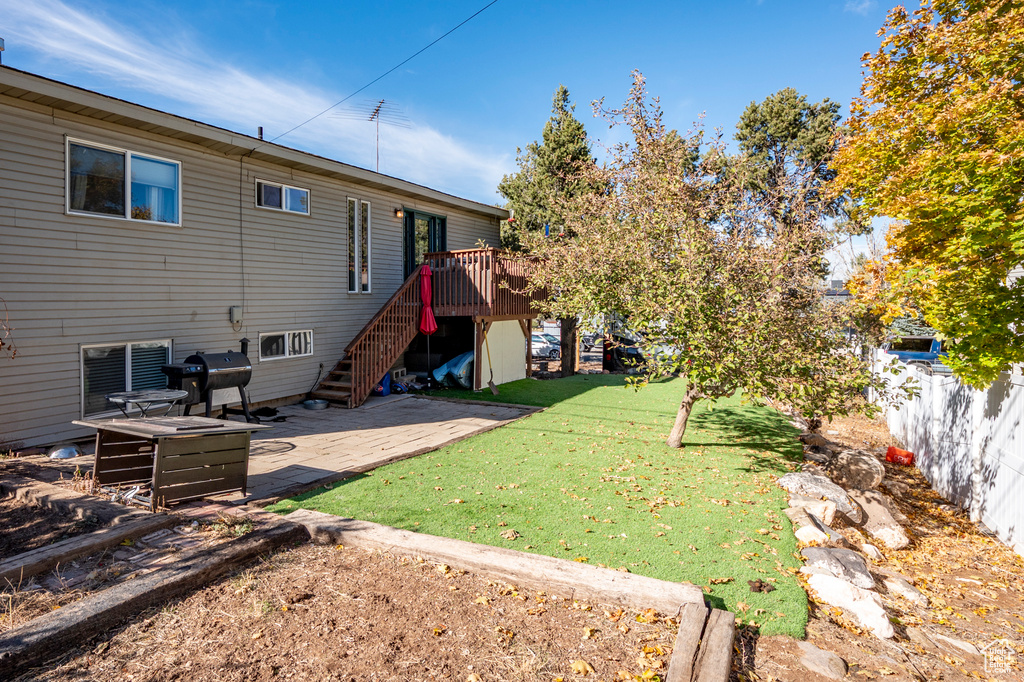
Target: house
x,y
131,238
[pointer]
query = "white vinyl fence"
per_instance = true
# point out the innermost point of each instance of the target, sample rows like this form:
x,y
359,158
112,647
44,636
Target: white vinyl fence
x,y
969,444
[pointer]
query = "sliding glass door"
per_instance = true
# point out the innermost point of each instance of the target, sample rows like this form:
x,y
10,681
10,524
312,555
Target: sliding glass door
x,y
424,233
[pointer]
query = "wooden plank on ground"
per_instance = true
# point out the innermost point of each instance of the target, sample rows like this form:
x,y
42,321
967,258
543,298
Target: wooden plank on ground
x,y
533,571
692,618
18,568
58,632
76,504
714,661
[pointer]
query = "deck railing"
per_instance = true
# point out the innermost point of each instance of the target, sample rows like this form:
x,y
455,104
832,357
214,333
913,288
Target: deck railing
x,y
384,338
479,282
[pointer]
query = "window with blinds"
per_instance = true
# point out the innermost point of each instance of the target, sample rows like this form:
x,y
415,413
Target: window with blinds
x,y
114,368
119,183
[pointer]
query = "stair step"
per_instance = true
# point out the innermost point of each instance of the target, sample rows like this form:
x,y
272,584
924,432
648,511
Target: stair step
x,y
334,385
340,373
336,396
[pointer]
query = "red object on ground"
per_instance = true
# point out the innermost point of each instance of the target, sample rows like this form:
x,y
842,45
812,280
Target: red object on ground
x,y
897,456
428,325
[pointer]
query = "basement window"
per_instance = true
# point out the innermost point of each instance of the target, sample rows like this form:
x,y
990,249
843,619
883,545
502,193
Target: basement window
x,y
118,183
282,197
117,367
277,345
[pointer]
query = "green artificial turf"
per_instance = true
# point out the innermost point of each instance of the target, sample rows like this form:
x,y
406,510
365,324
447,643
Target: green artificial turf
x,y
591,479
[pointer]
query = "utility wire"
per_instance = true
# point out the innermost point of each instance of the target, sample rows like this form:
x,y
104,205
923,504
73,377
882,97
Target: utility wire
x,y
389,71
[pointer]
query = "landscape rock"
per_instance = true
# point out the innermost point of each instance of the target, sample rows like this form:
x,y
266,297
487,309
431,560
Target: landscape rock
x,y
918,637
856,470
817,455
963,646
895,487
823,662
877,521
842,563
815,440
825,510
809,535
872,552
860,605
901,587
816,486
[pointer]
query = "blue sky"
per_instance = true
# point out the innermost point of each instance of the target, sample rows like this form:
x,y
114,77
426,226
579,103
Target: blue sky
x,y
472,98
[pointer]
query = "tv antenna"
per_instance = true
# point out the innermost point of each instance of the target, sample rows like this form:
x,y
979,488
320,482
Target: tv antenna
x,y
375,111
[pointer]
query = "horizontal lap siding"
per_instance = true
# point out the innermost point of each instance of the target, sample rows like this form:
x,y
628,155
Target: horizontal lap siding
x,y
71,280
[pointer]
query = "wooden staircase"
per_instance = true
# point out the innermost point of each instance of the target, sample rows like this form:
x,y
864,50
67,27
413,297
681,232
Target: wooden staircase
x,y
375,348
479,283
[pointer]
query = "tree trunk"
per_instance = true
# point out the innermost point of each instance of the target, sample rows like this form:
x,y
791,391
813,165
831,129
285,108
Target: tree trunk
x,y
675,436
568,346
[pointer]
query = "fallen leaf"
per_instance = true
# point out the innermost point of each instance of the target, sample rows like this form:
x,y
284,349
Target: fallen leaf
x,y
510,534
720,581
582,668
588,633
482,600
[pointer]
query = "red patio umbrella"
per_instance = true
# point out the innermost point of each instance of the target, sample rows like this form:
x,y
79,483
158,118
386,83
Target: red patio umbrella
x,y
428,325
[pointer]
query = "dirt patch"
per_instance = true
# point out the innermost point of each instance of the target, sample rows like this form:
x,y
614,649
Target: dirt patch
x,y
974,583
327,613
26,526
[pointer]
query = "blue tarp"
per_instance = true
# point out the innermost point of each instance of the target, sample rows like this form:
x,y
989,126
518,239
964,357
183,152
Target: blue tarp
x,y
457,370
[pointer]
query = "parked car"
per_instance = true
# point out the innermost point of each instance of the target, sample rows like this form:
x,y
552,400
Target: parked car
x,y
543,348
926,350
588,341
620,354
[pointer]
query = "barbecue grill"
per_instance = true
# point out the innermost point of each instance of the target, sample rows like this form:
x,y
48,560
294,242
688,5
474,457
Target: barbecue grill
x,y
203,373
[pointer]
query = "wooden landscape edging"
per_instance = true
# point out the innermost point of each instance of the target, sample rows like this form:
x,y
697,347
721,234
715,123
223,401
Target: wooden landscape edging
x,y
27,564
63,630
703,647
80,505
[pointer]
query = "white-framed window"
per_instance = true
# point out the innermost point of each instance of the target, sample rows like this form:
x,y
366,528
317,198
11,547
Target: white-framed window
x,y
119,183
278,345
359,247
116,367
280,197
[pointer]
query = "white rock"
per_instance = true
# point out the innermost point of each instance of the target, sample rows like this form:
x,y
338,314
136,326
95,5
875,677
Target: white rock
x,y
902,587
892,537
855,469
809,535
822,662
823,509
862,606
842,563
872,552
966,647
878,521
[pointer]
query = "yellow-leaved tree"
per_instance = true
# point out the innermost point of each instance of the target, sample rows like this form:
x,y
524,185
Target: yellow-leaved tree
x,y
936,142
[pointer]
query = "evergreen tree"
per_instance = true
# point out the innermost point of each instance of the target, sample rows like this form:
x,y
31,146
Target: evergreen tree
x,y
550,172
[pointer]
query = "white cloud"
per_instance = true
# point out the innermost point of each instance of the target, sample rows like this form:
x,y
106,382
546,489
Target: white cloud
x,y
859,6
173,67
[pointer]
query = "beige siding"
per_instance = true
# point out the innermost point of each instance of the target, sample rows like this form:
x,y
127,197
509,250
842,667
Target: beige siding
x,y
70,280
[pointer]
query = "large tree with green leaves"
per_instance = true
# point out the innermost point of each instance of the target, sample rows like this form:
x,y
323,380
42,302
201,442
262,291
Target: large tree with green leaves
x,y
936,141
710,280
550,172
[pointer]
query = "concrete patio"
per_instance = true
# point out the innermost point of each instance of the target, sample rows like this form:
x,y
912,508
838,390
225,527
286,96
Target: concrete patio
x,y
316,447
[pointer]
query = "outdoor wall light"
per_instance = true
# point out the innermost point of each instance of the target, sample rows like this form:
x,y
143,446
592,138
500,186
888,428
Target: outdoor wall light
x,y
399,213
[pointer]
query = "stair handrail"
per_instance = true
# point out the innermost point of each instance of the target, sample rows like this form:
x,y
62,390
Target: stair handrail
x,y
411,281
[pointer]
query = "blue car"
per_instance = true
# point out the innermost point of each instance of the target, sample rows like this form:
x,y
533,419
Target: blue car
x,y
925,350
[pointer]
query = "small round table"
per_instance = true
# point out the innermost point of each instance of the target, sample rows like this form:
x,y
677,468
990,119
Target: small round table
x,y
146,400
